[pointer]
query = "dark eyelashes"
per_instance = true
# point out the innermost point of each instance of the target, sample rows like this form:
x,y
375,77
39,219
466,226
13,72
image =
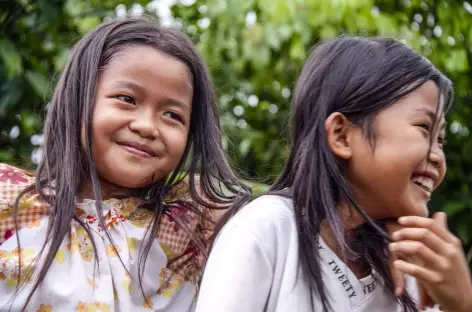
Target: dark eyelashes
x,y
441,139
130,100
175,116
125,98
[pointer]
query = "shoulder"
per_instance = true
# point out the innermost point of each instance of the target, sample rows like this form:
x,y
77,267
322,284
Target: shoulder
x,y
265,216
12,182
266,208
15,176
260,233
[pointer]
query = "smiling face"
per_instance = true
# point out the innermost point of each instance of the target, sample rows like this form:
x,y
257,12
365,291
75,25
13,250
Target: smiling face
x,y
395,177
141,117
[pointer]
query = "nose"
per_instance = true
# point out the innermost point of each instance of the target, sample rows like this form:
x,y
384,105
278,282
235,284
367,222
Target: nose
x,y
145,125
436,156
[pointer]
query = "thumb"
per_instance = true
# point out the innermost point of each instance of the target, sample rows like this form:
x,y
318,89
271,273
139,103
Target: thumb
x,y
425,300
398,278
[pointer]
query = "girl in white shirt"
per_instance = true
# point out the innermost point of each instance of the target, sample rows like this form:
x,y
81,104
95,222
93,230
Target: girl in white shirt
x,y
367,135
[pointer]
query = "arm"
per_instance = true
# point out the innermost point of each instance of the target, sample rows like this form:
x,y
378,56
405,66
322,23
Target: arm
x,y
238,274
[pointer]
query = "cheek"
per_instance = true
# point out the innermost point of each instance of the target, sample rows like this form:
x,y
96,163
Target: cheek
x,y
176,140
442,173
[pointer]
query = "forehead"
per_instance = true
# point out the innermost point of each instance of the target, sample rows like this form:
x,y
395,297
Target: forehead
x,y
426,101
149,68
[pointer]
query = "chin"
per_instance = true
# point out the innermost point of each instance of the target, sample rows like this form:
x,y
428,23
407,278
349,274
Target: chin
x,y
130,180
128,185
420,211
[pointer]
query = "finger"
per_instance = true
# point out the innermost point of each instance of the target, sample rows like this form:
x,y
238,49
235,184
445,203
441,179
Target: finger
x,y
422,274
398,281
441,218
433,225
419,254
392,227
424,235
398,277
424,299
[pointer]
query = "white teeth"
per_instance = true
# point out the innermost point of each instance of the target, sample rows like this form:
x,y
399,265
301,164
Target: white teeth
x,y
425,182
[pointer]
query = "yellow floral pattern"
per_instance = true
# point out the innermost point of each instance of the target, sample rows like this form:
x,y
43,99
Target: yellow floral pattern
x,y
44,308
10,261
34,224
60,256
131,243
112,250
85,245
104,278
92,307
73,245
170,283
147,303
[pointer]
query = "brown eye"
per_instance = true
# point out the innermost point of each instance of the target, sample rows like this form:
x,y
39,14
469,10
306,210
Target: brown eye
x,y
424,126
174,116
126,99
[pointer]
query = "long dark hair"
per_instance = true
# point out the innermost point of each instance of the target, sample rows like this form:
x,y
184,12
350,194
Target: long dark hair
x,y
357,77
64,162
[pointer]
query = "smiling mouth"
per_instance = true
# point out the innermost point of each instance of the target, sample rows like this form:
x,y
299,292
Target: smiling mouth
x,y
137,149
424,182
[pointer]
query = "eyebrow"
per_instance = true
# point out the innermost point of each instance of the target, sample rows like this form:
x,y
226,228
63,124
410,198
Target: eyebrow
x,y
127,84
172,102
432,115
134,86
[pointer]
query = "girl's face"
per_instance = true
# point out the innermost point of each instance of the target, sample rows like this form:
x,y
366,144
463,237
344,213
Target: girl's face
x,y
395,177
141,117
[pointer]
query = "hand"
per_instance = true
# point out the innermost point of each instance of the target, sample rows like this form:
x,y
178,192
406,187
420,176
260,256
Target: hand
x,y
399,279
426,250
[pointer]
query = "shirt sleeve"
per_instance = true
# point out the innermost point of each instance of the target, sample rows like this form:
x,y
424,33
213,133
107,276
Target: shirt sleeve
x,y
238,274
30,208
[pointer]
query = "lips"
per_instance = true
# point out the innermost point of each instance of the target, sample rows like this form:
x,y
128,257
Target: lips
x,y
137,148
425,180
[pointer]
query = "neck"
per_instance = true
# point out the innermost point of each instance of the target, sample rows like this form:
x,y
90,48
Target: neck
x,y
350,221
107,191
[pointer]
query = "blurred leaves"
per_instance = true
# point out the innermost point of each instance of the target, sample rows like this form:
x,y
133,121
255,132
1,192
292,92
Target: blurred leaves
x,y
254,50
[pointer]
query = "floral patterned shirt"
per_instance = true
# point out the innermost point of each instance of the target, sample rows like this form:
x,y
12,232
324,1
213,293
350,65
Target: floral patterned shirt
x,y
78,280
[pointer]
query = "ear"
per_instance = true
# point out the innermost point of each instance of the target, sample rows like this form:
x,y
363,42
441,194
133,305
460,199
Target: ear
x,y
338,129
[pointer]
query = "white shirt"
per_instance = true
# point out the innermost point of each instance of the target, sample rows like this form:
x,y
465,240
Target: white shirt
x,y
254,266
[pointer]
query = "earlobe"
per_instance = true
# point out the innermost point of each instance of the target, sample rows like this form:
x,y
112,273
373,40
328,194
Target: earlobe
x,y
337,128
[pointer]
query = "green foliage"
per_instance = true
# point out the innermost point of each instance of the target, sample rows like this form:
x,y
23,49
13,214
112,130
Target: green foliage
x,y
254,49
262,59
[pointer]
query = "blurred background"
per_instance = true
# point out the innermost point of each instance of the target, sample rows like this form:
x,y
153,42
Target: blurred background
x,y
254,49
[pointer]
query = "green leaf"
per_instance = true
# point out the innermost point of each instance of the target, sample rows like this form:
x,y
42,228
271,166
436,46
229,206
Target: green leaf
x,y
456,61
9,96
38,82
6,156
297,49
244,147
453,207
11,58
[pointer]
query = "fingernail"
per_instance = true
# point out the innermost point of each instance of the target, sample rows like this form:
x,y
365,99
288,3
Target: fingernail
x,y
402,219
392,246
395,236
